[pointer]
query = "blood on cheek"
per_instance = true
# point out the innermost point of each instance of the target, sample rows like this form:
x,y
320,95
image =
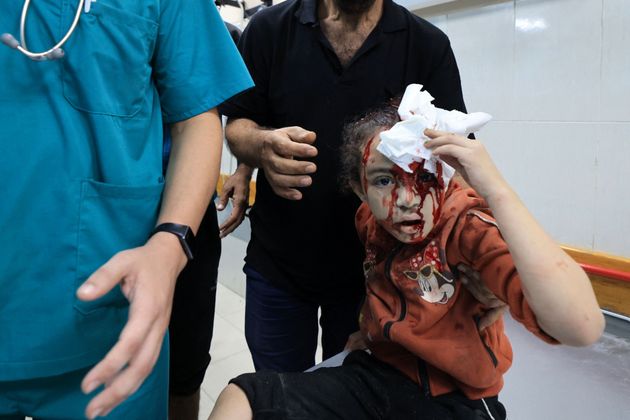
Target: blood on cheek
x,y
392,202
416,192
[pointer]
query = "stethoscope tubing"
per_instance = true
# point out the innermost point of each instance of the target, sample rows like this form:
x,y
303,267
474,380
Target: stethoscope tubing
x,y
50,54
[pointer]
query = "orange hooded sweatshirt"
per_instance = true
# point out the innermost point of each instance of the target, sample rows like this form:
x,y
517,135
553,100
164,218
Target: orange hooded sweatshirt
x,y
419,318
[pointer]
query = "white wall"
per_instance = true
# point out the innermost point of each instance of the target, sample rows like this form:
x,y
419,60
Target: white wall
x,y
556,76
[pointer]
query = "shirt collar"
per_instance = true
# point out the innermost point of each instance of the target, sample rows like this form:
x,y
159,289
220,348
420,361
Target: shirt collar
x,y
393,18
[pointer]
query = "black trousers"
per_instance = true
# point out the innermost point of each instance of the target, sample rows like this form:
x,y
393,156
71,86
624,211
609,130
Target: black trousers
x,y
363,388
192,318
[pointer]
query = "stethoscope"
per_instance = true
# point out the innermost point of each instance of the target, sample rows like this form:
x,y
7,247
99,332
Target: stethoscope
x,y
55,52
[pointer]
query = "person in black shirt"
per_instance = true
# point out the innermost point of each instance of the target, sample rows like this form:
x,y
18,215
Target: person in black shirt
x,y
316,64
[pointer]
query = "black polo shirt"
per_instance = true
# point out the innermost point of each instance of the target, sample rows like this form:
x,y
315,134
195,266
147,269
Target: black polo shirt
x,y
310,247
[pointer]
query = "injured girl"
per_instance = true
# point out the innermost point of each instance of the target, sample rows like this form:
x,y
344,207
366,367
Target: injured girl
x,y
427,358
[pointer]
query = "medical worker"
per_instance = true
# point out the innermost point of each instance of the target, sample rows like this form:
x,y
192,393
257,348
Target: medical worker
x,y
93,235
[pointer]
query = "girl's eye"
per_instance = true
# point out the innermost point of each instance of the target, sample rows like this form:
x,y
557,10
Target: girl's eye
x,y
426,177
383,181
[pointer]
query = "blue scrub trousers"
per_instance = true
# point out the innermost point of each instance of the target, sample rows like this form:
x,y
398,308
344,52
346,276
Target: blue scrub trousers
x,y
60,397
281,329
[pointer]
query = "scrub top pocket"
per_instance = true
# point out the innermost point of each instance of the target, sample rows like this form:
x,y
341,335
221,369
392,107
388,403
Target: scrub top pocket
x,y
112,218
106,69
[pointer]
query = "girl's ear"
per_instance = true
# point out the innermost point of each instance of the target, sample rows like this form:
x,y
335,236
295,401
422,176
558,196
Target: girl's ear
x,y
358,190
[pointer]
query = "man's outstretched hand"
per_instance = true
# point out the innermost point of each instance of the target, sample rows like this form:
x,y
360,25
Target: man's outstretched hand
x,y
147,276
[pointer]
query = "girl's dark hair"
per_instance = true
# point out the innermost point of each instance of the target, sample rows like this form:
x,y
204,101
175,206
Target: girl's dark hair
x,y
355,136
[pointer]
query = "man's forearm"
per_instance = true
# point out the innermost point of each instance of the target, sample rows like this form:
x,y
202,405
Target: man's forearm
x,y
245,138
193,169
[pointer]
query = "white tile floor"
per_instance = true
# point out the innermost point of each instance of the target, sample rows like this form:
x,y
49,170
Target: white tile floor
x,y
230,355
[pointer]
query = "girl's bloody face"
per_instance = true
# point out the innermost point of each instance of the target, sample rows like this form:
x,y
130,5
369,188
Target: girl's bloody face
x,y
407,205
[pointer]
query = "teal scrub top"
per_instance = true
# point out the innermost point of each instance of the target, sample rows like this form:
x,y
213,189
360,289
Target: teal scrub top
x,y
81,159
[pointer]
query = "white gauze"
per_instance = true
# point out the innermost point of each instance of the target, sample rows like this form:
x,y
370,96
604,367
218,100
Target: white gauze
x,y
403,144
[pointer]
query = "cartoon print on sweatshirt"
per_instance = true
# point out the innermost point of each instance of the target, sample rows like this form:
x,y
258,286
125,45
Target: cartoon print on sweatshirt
x,y
434,286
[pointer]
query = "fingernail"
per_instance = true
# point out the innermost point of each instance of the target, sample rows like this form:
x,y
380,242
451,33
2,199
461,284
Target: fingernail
x,y
96,413
220,207
86,288
305,182
310,168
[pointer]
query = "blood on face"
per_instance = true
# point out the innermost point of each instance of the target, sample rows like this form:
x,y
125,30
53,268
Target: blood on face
x,y
405,204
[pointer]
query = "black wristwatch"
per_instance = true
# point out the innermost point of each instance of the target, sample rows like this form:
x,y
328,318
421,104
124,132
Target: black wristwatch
x,y
184,234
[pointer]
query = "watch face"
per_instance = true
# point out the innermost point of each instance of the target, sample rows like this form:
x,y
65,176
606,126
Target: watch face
x,y
184,234
187,240
188,234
